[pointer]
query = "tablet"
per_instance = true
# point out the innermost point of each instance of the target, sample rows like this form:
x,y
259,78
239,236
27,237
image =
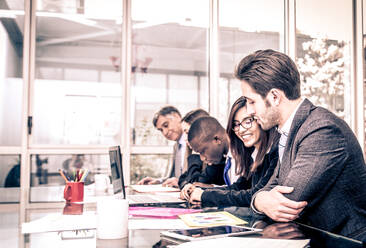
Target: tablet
x,y
209,232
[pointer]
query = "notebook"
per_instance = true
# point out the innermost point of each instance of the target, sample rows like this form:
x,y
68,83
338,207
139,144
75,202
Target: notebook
x,y
119,185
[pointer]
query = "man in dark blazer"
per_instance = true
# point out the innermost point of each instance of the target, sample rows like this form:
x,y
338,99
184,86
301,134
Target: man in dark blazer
x,y
321,176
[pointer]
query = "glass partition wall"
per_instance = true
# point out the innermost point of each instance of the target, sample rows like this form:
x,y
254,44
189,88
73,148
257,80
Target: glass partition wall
x,y
169,66
11,88
11,94
76,91
80,76
244,27
323,54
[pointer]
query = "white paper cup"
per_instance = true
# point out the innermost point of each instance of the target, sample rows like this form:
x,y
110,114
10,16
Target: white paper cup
x,y
101,184
112,218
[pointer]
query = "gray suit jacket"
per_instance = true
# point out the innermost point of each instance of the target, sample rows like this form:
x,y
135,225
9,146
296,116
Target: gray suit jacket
x,y
171,169
324,163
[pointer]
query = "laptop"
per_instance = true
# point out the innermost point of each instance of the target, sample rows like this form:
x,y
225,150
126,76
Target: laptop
x,y
119,185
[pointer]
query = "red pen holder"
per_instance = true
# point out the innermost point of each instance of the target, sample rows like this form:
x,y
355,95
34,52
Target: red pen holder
x,y
74,192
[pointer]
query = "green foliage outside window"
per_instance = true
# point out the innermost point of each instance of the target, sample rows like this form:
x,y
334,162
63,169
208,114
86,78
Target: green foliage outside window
x,y
323,71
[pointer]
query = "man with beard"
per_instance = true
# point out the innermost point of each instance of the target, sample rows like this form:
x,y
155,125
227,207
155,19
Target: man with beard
x,y
321,175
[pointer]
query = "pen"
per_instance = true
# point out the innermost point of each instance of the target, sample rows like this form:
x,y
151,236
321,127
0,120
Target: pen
x,y
62,174
77,175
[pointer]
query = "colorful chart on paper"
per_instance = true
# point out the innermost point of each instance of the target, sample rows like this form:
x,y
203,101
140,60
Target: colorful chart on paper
x,y
211,219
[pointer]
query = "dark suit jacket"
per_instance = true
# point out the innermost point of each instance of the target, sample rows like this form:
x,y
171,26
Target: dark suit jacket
x,y
194,171
324,163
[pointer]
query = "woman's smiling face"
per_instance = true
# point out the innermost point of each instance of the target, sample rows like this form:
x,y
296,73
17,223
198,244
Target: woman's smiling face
x,y
251,135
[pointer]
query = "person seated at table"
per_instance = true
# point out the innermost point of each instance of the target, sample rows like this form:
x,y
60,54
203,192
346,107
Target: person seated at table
x,y
168,121
321,177
255,153
195,165
207,137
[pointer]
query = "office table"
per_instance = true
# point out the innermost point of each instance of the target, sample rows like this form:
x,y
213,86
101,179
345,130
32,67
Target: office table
x,y
151,238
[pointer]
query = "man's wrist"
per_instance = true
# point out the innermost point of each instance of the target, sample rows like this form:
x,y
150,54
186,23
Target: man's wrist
x,y
161,180
253,206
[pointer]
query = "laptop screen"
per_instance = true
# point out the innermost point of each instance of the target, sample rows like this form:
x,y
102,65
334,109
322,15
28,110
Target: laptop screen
x,y
115,158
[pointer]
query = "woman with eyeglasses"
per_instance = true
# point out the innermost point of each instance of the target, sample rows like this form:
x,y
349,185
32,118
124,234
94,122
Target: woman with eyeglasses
x,y
255,153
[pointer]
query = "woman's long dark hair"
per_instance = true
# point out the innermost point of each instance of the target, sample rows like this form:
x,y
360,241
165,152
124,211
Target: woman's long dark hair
x,y
242,154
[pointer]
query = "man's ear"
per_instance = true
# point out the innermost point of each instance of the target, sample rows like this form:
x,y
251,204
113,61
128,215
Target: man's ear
x,y
217,140
274,96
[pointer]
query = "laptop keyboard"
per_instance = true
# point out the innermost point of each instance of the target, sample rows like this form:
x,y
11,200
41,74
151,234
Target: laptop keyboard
x,y
154,199
141,198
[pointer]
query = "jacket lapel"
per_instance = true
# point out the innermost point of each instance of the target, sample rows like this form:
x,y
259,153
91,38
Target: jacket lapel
x,y
301,115
171,168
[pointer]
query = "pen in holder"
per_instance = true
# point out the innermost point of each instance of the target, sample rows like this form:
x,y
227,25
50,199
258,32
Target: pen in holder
x,y
74,188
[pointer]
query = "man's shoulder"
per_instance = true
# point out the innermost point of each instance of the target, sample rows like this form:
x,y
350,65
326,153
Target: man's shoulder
x,y
320,117
317,116
319,122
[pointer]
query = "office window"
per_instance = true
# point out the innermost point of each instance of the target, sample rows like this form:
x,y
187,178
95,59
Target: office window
x,y
244,27
77,91
11,82
169,57
11,94
323,53
143,167
169,63
47,184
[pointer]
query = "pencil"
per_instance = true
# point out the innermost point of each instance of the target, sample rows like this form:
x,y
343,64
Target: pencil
x,y
62,174
81,174
66,175
84,175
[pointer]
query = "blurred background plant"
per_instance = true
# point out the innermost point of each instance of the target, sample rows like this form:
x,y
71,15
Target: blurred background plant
x,y
322,70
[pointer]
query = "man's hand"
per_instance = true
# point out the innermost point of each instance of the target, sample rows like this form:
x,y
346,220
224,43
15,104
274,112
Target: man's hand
x,y
278,207
195,196
171,182
148,180
186,191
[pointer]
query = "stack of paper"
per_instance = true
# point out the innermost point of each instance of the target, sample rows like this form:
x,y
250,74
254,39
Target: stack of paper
x,y
244,242
59,222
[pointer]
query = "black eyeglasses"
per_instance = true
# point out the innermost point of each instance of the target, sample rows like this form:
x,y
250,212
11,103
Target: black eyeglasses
x,y
246,123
